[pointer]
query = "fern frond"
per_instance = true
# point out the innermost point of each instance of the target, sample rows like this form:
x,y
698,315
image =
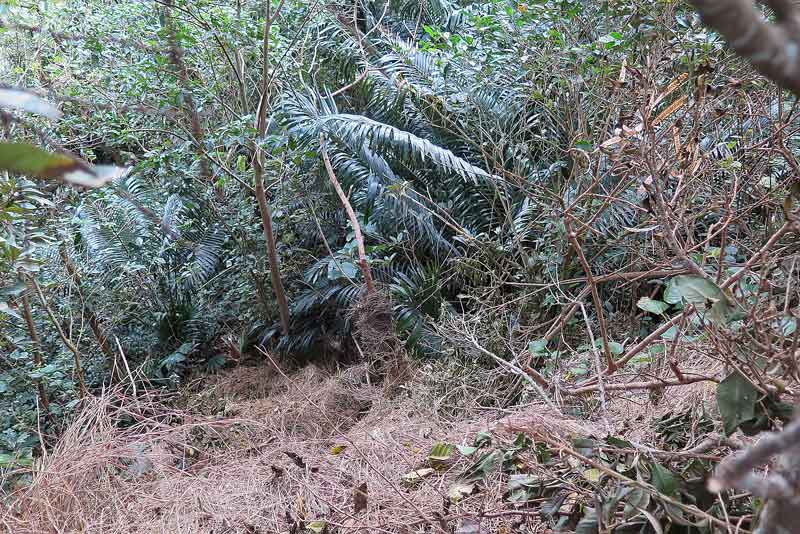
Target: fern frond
x,y
307,116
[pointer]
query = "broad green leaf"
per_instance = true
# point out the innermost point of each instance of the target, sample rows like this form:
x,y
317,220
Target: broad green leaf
x,y
441,452
317,527
9,460
466,450
30,160
482,438
665,480
585,446
178,356
588,523
484,466
788,326
652,306
592,475
342,269
25,101
616,348
736,400
619,442
518,481
14,290
692,289
538,346
671,334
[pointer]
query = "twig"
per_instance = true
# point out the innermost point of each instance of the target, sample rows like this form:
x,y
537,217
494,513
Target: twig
x,y
362,253
67,341
127,368
658,384
599,367
598,304
518,371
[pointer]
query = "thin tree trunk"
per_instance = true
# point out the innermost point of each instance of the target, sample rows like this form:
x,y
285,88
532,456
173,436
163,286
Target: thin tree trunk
x,y
69,344
38,360
362,253
274,268
261,197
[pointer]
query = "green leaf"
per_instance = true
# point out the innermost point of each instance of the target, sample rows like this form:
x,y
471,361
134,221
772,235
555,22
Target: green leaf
x,y
736,400
538,346
9,460
518,481
671,334
692,289
788,326
342,269
665,480
466,450
482,438
592,475
24,158
588,523
441,452
652,306
178,356
417,475
522,487
483,467
619,442
317,527
584,446
616,348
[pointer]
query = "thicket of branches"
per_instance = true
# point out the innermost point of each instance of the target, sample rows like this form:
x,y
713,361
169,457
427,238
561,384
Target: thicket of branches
x,y
587,196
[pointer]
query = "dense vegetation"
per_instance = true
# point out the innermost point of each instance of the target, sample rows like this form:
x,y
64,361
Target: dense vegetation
x,y
585,198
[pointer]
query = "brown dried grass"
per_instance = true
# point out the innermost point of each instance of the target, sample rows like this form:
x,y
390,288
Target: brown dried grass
x,y
299,454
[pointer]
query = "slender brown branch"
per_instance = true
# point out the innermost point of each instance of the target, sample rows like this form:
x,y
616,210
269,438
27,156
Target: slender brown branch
x,y
362,253
598,304
561,447
67,341
655,334
788,225
38,360
629,386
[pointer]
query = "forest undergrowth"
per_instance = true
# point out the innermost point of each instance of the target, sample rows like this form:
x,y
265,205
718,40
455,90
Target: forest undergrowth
x,y
400,266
